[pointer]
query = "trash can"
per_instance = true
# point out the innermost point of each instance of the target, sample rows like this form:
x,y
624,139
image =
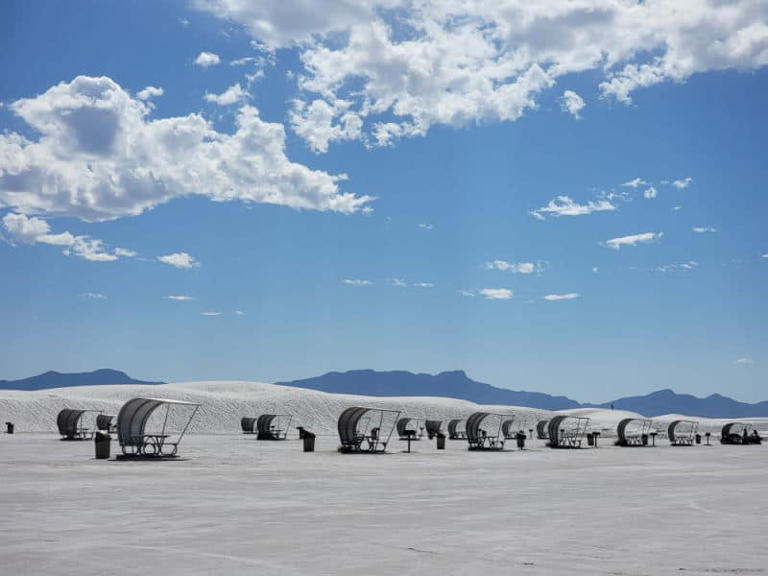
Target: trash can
x,y
698,438
440,441
9,427
644,439
590,439
309,442
102,442
520,440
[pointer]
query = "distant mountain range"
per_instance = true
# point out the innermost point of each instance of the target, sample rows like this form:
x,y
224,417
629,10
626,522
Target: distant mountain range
x,y
455,384
59,380
458,385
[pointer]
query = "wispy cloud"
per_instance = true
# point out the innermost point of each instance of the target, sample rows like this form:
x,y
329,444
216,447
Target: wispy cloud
x,y
557,297
565,206
399,282
426,226
685,266
207,59
180,298
468,293
357,282
703,229
650,193
210,314
595,269
515,267
238,313
496,293
95,296
423,284
746,360
635,183
683,183
149,92
179,260
633,240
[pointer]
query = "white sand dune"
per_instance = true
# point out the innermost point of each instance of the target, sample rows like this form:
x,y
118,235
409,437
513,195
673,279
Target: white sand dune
x,y
223,403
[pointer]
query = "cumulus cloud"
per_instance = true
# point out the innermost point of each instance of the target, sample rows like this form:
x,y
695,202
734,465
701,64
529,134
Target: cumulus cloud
x,y
703,229
744,361
633,240
149,92
565,206
496,293
515,267
357,282
179,260
232,95
30,230
98,157
650,193
406,65
556,297
180,298
572,103
207,59
683,183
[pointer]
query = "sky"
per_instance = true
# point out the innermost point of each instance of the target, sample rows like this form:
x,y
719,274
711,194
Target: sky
x,y
566,197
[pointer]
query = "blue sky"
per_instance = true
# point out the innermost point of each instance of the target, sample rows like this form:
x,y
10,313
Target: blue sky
x,y
575,205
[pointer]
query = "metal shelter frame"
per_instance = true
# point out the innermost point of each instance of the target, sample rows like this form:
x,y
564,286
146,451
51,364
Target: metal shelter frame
x,y
248,425
739,433
104,422
433,427
569,436
633,432
682,432
405,432
68,422
481,438
542,429
454,430
131,428
360,429
273,426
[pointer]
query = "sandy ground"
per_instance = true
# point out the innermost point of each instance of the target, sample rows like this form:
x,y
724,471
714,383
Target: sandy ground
x,y
234,505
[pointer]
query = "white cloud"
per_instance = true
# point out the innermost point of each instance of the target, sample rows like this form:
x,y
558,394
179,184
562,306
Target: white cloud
x,y
745,361
564,206
95,296
210,314
426,226
357,282
703,229
676,208
407,65
496,293
26,230
682,184
650,193
572,103
149,92
468,293
399,282
764,256
423,284
180,298
556,297
515,267
685,266
232,95
207,59
635,183
100,157
238,313
319,123
595,269
633,240
179,260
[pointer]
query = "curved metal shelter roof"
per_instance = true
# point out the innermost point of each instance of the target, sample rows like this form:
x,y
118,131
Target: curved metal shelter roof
x,y
361,429
347,424
247,424
507,425
433,426
568,436
402,426
625,437
104,422
134,415
264,423
453,428
68,420
542,432
682,430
